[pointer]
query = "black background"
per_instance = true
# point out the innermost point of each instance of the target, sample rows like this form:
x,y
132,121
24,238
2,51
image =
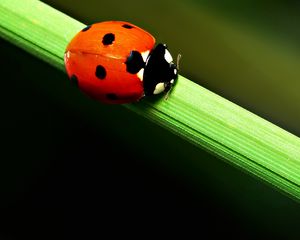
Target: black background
x,y
67,169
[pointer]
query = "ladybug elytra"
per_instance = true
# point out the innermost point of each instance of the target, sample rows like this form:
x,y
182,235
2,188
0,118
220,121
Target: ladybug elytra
x,y
117,62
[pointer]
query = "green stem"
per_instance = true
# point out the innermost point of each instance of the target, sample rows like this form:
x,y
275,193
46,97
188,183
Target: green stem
x,y
192,112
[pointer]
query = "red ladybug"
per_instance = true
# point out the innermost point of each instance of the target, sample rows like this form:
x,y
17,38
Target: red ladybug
x,y
117,62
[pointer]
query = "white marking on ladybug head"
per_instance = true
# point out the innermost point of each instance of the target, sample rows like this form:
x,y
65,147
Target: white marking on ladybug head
x,y
175,71
145,55
67,54
159,88
140,74
168,56
172,81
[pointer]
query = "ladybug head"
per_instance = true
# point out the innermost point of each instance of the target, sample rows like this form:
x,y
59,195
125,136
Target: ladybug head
x,y
160,71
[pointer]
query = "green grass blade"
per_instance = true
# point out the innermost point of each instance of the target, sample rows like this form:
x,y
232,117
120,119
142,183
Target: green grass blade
x,y
192,112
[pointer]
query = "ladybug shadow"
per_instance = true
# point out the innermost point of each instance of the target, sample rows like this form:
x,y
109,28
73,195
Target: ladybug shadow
x,y
150,101
146,103
153,99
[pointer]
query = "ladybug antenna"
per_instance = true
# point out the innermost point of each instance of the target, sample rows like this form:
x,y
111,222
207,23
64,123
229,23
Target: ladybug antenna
x,y
178,60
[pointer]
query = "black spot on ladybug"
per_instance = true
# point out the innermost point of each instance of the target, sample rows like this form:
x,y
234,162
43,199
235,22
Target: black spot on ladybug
x,y
100,72
134,62
86,28
108,39
127,26
111,96
74,80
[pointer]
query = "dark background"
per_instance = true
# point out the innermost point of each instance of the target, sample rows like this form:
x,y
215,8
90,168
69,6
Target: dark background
x,y
73,167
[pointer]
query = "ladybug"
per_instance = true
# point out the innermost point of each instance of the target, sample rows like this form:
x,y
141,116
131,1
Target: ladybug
x,y
117,62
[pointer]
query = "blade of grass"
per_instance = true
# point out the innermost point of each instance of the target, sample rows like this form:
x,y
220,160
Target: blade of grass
x,y
192,112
